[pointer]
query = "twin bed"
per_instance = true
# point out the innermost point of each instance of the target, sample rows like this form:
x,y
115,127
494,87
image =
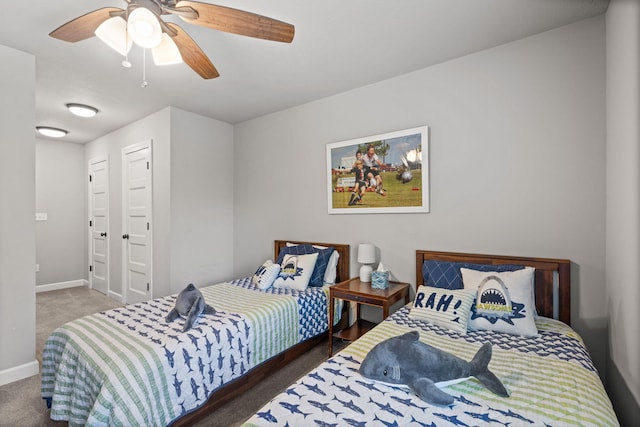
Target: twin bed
x,y
549,375
128,367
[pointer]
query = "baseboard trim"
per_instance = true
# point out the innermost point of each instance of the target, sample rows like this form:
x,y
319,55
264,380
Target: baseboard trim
x,y
19,372
62,285
115,296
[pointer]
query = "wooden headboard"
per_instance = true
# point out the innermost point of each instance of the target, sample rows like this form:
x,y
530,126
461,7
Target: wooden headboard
x,y
552,278
343,262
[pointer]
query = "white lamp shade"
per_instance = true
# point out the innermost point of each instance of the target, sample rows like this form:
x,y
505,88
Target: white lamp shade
x,y
166,53
144,28
113,32
366,253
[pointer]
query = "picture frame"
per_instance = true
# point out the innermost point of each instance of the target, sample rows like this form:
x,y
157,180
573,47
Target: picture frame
x,y
398,182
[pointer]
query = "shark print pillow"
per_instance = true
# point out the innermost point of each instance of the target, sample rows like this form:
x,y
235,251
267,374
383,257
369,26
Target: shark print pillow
x,y
295,271
504,301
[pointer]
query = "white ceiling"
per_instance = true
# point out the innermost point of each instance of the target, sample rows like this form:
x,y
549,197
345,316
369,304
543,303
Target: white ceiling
x,y
338,45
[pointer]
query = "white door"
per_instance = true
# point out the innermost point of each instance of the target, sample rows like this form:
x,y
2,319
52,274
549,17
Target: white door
x,y
136,220
99,224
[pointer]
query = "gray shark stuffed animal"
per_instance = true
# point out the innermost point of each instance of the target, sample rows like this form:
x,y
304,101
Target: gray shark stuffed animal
x,y
189,304
406,360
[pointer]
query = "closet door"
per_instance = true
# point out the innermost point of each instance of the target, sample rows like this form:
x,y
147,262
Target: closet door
x,y
136,220
99,224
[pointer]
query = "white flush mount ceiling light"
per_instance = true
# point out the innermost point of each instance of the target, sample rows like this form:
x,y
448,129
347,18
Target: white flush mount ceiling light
x,y
144,28
51,132
82,110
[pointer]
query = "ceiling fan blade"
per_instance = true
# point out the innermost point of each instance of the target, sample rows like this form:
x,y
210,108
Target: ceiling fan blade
x,y
239,22
183,12
192,55
83,27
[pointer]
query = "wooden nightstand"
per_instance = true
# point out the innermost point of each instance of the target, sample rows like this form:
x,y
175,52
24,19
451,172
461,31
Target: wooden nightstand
x,y
362,293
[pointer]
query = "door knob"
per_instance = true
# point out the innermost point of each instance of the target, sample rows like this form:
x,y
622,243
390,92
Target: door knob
x,y
103,234
125,236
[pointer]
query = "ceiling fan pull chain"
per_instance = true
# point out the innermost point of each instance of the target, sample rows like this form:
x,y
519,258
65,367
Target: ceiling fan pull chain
x,y
144,68
125,62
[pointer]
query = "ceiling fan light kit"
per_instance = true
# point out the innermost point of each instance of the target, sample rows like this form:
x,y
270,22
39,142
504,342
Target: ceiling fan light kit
x,y
113,32
141,23
144,28
82,110
167,52
51,132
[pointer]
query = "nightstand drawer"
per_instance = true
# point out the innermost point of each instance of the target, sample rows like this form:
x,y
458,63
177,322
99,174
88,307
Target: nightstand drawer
x,y
357,298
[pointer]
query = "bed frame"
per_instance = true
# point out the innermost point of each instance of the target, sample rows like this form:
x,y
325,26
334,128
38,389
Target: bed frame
x,y
258,373
552,278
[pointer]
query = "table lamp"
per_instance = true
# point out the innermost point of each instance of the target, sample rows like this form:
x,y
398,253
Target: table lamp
x,y
366,256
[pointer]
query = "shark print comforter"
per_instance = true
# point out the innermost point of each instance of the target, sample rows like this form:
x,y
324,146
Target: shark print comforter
x,y
551,380
127,366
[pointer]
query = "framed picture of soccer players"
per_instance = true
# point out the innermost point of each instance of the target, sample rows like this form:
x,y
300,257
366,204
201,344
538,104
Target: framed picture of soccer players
x,y
386,173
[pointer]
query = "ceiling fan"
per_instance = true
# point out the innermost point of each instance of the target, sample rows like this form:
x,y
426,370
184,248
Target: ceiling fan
x,y
141,23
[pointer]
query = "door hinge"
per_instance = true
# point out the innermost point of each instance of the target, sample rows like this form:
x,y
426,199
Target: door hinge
x,y
91,268
147,226
147,287
90,223
147,165
90,178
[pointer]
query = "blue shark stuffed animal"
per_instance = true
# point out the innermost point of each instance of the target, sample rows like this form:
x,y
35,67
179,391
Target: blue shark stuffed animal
x,y
189,304
406,360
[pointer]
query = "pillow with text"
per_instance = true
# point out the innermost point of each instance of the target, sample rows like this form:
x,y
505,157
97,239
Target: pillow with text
x,y
296,271
504,301
444,307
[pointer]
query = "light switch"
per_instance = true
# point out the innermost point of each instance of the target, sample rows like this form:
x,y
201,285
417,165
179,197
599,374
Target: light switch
x,y
41,216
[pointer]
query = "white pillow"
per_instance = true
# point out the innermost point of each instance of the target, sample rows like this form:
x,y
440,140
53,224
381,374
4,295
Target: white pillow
x,y
504,301
332,268
331,272
266,274
295,271
445,307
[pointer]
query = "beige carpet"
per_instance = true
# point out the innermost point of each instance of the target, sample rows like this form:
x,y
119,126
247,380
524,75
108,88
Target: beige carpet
x,y
20,401
21,404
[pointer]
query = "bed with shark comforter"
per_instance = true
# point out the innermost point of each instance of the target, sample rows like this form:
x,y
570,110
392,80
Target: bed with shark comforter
x,y
541,361
129,366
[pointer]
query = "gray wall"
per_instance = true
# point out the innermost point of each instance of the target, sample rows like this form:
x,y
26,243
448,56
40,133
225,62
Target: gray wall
x,y
192,201
623,206
60,193
17,207
201,243
516,155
